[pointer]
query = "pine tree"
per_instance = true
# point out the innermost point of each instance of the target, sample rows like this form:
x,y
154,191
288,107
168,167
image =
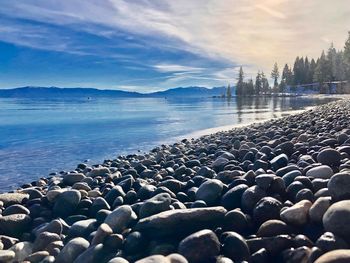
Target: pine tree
x,y
322,73
287,75
331,61
346,57
240,82
275,74
306,71
258,84
312,69
228,92
265,83
250,87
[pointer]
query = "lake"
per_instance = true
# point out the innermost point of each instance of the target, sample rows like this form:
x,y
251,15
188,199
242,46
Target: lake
x,y
41,136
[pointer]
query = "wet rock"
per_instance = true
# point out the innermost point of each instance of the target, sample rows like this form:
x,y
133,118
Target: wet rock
x,y
202,246
339,186
267,208
172,258
272,228
250,197
72,178
22,250
82,228
6,255
279,161
13,198
336,219
335,256
66,203
328,241
156,204
329,156
15,224
37,257
235,247
16,209
274,245
296,255
169,222
210,191
102,232
134,243
98,204
318,208
72,250
43,239
322,171
297,214
120,218
233,197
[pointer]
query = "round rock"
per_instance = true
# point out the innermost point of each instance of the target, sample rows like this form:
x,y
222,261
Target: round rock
x,y
339,186
329,157
322,171
337,218
209,191
201,246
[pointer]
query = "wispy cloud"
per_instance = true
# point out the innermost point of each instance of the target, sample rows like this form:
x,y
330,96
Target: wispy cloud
x,y
176,68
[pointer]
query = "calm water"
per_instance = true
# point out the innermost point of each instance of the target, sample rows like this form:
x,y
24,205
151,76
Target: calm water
x,y
38,137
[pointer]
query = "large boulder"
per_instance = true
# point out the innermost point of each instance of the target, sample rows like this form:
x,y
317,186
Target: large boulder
x,y
181,221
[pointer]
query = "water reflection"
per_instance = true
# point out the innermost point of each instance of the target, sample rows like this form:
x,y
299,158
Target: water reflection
x,y
42,136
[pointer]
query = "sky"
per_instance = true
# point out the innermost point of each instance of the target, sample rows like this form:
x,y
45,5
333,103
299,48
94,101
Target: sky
x,y
149,45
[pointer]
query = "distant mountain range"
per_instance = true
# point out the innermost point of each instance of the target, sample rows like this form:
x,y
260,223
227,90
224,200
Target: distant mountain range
x,y
55,92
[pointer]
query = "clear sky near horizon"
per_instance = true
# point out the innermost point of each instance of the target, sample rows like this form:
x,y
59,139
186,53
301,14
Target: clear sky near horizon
x,y
148,45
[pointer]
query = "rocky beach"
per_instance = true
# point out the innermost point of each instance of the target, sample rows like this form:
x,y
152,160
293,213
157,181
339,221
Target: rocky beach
x,y
277,191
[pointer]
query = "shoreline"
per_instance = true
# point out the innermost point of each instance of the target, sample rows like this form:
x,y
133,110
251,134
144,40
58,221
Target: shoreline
x,y
265,191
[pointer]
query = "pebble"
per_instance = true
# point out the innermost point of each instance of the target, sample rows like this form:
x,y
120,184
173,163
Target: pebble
x,y
202,246
66,203
210,191
158,203
72,250
297,214
120,218
319,208
329,157
235,247
339,186
322,172
13,198
336,219
15,224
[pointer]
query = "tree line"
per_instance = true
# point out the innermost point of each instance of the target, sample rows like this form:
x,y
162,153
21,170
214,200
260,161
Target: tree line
x,y
332,65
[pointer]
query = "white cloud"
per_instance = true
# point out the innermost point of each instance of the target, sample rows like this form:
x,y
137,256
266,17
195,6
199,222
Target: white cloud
x,y
176,68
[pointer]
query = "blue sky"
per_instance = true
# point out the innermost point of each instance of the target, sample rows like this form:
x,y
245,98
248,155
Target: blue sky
x,y
148,45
